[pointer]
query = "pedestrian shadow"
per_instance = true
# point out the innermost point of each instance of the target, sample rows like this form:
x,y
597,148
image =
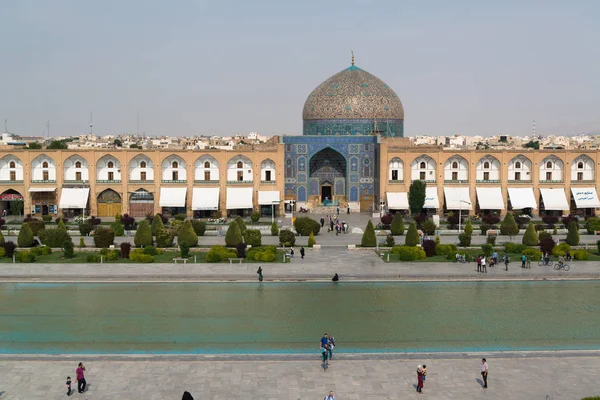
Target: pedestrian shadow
x,y
479,381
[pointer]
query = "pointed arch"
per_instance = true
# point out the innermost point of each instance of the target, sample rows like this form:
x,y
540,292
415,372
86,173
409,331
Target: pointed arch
x,y
583,169
11,168
396,170
551,169
43,169
141,169
488,169
76,169
423,168
239,169
174,169
206,168
456,168
108,168
520,169
267,170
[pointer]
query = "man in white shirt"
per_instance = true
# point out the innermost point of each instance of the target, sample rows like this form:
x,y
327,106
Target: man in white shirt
x,y
483,265
484,372
330,397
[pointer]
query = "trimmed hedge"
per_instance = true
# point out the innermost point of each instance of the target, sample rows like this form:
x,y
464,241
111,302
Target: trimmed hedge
x,y
104,237
253,237
157,225
274,229
254,217
36,226
531,238
445,249
118,228
561,249
397,226
220,253
264,254
509,226
592,225
240,221
199,227
143,235
287,238
311,240
137,255
573,234
369,239
187,236
305,226
25,238
125,249
233,237
164,238
409,253
412,235
85,228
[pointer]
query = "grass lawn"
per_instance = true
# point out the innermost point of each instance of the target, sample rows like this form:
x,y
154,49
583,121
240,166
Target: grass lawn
x,y
166,257
514,258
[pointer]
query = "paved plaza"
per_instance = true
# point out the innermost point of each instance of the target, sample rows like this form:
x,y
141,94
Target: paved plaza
x,y
363,377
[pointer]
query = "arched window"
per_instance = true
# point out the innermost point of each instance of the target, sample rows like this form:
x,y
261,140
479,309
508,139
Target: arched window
x,y
486,165
240,164
206,164
12,164
175,164
549,164
580,165
422,165
111,164
78,164
45,164
455,165
143,164
518,165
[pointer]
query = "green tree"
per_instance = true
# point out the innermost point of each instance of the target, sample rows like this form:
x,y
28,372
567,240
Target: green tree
x,y
164,238
25,238
157,225
67,247
118,228
143,235
240,221
531,238
34,146
416,196
134,146
469,228
397,226
509,227
274,229
61,225
532,145
16,207
253,237
369,239
412,235
573,234
57,145
233,237
187,236
104,237
199,227
311,240
118,143
255,216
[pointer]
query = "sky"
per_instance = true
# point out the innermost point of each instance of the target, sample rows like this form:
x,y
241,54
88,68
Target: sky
x,y
225,67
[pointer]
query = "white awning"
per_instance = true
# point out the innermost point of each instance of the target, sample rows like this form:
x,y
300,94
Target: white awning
x,y
431,198
239,198
457,198
205,199
522,197
74,197
585,197
172,196
397,201
490,198
554,199
268,198
41,189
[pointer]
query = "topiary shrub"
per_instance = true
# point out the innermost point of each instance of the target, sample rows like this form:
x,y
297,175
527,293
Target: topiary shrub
x,y
125,249
9,248
397,226
254,217
530,238
128,221
490,219
25,238
428,226
311,240
274,229
464,240
550,220
36,226
180,217
573,234
419,219
491,240
580,254
547,244
570,218
164,238
143,235
187,236
468,228
220,253
544,234
54,237
47,218
409,253
199,227
305,226
533,254
369,239
265,254
233,237
509,227
149,250
67,247
445,249
58,220
592,225
287,238
104,237
253,237
484,228
390,241
429,247
137,255
85,228
412,235
387,219
157,225
24,256
118,228
561,249
240,221
487,249
514,248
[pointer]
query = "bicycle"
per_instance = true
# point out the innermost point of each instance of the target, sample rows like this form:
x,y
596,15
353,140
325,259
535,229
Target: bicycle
x,y
543,263
558,266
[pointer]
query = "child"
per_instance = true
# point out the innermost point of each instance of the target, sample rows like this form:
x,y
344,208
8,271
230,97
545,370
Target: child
x,y
68,385
424,371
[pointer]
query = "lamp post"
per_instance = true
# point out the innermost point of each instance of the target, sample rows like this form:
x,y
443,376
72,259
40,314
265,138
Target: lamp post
x,y
273,203
292,203
460,212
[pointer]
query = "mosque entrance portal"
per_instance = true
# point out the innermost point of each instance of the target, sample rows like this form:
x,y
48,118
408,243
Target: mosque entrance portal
x,y
327,171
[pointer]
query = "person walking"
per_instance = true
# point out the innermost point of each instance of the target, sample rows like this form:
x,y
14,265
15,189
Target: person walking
x,y
292,252
495,257
322,222
479,264
506,261
302,253
483,265
338,210
484,372
260,274
523,260
420,379
330,396
81,383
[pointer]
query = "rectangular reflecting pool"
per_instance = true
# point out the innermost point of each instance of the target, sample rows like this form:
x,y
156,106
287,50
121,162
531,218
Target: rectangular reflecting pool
x,y
291,317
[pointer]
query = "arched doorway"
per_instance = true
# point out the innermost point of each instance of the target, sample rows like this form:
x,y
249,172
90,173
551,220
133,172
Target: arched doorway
x,y
327,171
141,203
11,203
109,203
